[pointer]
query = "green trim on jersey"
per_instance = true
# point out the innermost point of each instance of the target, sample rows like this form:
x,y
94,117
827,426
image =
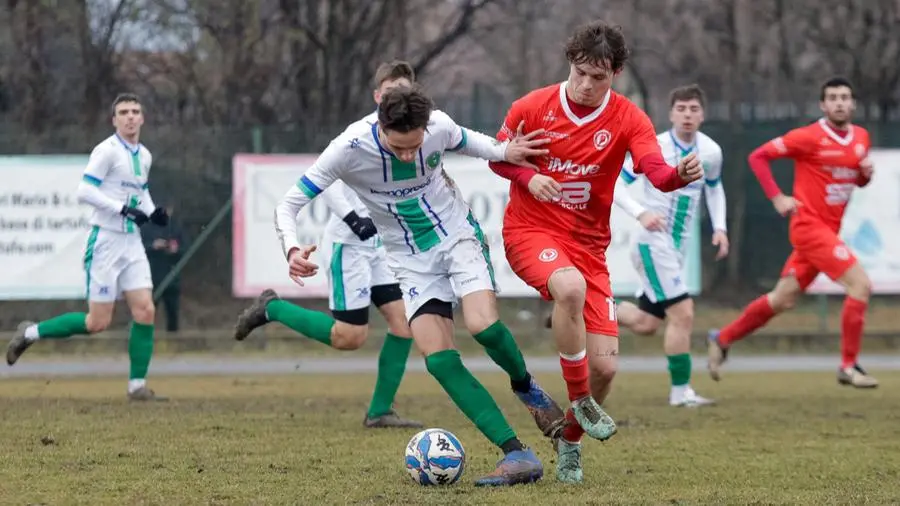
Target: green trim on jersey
x,y
89,259
419,224
650,270
338,293
136,162
401,171
485,247
133,201
682,206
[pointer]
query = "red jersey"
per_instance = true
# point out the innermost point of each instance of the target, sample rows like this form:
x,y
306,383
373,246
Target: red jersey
x,y
826,168
586,156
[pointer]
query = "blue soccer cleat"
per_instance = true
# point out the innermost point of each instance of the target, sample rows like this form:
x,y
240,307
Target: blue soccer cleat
x,y
547,414
521,466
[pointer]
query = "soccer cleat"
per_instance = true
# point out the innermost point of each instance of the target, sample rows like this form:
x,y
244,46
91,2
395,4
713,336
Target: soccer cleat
x,y
595,422
688,398
390,420
516,467
144,394
18,344
717,354
856,377
568,462
547,414
254,316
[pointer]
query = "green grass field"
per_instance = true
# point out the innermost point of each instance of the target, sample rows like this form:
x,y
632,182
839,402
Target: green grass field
x,y
773,439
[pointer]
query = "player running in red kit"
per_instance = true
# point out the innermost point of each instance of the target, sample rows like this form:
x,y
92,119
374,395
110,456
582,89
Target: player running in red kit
x,y
831,159
556,227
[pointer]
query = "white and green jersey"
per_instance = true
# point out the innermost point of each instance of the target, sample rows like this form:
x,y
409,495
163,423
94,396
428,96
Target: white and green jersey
x,y
413,204
341,200
116,175
679,207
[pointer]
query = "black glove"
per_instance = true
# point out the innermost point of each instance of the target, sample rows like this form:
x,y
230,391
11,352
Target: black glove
x,y
364,228
159,217
134,214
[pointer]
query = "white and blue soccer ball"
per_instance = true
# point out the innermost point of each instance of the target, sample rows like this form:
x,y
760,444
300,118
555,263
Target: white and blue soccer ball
x,y
435,457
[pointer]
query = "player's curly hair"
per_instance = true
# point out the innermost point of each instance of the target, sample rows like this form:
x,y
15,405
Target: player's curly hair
x,y
404,109
600,44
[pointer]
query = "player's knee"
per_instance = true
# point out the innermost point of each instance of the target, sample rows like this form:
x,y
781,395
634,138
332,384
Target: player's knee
x,y
395,316
98,321
144,312
645,325
785,295
603,371
568,289
858,284
345,336
479,311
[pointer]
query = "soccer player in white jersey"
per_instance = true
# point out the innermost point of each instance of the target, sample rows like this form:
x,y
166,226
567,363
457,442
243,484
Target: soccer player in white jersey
x,y
115,185
658,252
436,250
358,275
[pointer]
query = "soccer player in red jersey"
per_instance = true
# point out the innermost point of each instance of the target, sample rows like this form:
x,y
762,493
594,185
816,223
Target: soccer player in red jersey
x,y
830,160
556,226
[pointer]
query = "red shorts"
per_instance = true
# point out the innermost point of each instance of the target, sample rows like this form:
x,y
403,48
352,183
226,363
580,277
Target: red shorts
x,y
816,249
535,255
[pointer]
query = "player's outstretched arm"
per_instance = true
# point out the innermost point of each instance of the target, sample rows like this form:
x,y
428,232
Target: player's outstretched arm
x,y
647,156
714,191
339,199
622,196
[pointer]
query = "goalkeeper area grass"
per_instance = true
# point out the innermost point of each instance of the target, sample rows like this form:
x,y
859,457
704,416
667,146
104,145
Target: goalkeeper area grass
x,y
774,438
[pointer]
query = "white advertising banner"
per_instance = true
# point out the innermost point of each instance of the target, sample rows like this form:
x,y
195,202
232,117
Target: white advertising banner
x,y
261,180
871,227
43,230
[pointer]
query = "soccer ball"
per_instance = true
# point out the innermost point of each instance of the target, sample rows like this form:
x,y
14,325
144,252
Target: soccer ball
x,y
435,457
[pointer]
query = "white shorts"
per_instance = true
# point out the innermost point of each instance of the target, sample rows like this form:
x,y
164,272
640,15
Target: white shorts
x,y
451,270
662,271
352,272
115,262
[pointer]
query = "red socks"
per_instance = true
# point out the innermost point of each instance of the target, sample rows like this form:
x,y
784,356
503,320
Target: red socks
x,y
575,372
853,318
755,315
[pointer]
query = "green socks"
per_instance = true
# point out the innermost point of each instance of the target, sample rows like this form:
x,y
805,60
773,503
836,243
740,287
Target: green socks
x,y
391,366
680,369
500,345
62,326
140,349
312,324
469,395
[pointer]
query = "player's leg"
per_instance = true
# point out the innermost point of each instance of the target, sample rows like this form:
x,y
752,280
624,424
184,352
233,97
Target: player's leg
x,y
136,283
101,275
388,298
831,256
345,329
426,298
797,274
677,346
540,261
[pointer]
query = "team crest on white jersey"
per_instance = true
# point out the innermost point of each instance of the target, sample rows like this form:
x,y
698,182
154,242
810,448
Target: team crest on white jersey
x,y
601,139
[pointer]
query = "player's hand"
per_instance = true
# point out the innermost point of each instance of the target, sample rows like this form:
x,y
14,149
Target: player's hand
x,y
720,240
523,146
544,188
363,227
785,204
136,215
299,265
652,221
690,169
159,217
866,167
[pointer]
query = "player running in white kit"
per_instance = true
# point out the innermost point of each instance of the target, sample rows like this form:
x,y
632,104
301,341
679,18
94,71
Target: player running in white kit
x,y
436,250
658,253
115,262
